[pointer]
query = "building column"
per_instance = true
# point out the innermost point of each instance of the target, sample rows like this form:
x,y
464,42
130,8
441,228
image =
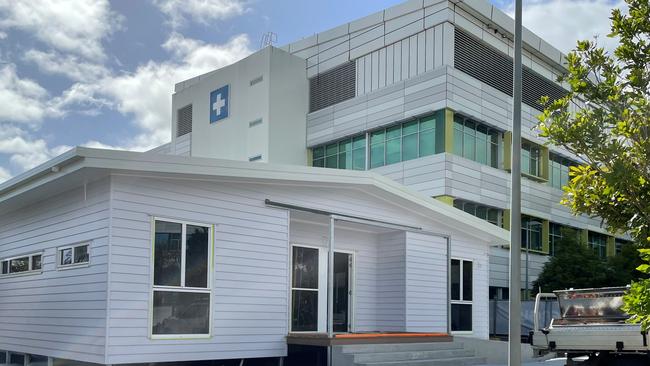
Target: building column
x,y
611,246
448,131
507,150
584,236
506,219
446,199
546,228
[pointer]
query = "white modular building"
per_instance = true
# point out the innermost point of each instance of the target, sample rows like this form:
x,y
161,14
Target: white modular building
x,y
350,185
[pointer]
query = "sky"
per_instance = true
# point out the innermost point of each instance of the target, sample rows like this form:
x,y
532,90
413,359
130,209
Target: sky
x,y
100,73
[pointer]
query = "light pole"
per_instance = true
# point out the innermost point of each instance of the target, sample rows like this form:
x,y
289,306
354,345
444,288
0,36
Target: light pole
x,y
514,318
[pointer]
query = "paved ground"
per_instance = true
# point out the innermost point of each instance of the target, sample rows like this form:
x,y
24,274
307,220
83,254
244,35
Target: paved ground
x,y
551,362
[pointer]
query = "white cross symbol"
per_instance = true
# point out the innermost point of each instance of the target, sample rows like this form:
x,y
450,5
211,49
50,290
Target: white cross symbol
x,y
218,104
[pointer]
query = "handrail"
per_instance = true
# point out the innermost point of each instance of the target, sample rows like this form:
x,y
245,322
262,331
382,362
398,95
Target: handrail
x,y
536,311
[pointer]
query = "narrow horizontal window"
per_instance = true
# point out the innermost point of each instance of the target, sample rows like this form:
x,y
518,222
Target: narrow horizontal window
x,y
75,255
257,80
28,263
255,123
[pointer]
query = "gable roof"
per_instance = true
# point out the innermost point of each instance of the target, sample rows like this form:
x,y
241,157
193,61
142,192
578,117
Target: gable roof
x,y
86,164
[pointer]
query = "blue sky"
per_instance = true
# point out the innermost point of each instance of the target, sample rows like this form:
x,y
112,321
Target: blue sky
x,y
100,73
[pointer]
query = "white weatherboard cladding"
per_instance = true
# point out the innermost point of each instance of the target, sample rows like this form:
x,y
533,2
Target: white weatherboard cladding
x,y
426,290
250,304
59,313
391,282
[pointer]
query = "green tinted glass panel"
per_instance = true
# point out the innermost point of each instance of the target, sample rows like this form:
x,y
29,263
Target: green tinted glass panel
x,y
359,142
331,149
410,147
469,145
319,163
427,123
481,212
525,161
359,159
409,128
331,161
458,142
345,145
481,151
318,152
427,142
343,163
393,132
377,137
376,155
393,151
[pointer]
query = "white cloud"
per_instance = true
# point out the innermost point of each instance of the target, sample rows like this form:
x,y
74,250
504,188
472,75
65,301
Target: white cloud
x,y
563,22
3,35
145,94
201,11
24,151
4,174
74,26
71,66
22,100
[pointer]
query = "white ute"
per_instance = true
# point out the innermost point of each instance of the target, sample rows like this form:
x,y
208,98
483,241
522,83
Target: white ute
x,y
591,324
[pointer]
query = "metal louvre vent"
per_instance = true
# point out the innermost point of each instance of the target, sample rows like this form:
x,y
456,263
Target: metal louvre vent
x,y
184,121
494,68
332,86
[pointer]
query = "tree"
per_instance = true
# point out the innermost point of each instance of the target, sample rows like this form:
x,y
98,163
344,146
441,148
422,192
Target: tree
x,y
605,119
575,265
622,268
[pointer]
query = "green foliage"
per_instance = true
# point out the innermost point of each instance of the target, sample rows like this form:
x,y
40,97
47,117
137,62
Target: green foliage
x,y
623,267
575,265
637,301
605,119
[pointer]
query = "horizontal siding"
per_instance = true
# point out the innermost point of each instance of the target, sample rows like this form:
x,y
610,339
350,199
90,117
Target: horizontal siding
x,y
426,283
250,276
500,264
391,282
58,313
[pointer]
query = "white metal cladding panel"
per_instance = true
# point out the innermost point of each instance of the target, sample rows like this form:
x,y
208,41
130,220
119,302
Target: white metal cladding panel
x,y
419,95
426,175
401,60
426,283
391,282
365,248
463,247
58,313
499,272
250,288
183,145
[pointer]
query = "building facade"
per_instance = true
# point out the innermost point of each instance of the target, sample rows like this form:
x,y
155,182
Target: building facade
x,y
420,93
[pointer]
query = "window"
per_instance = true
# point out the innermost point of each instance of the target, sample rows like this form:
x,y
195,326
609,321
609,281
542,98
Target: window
x,y
461,295
3,357
16,358
476,141
598,242
489,214
619,244
76,255
304,289
36,360
559,170
531,233
554,236
499,293
29,263
349,153
405,141
531,159
181,280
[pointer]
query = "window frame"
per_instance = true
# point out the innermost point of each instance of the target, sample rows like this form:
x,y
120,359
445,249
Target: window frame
x,y
181,288
30,263
63,267
461,294
461,204
602,246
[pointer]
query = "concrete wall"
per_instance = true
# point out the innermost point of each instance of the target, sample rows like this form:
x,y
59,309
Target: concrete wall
x,y
57,313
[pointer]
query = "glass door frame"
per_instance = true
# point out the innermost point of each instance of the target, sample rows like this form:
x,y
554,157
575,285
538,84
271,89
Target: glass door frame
x,y
322,288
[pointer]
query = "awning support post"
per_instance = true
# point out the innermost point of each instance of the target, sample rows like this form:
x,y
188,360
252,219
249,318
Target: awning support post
x,y
330,280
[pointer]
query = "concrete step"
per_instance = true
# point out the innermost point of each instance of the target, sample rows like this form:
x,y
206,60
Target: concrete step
x,y
457,361
411,355
400,347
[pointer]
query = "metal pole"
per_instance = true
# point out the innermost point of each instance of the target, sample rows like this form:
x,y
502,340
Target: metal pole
x,y
514,326
527,251
330,281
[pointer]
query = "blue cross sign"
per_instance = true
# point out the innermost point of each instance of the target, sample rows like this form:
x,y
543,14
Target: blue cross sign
x,y
219,102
